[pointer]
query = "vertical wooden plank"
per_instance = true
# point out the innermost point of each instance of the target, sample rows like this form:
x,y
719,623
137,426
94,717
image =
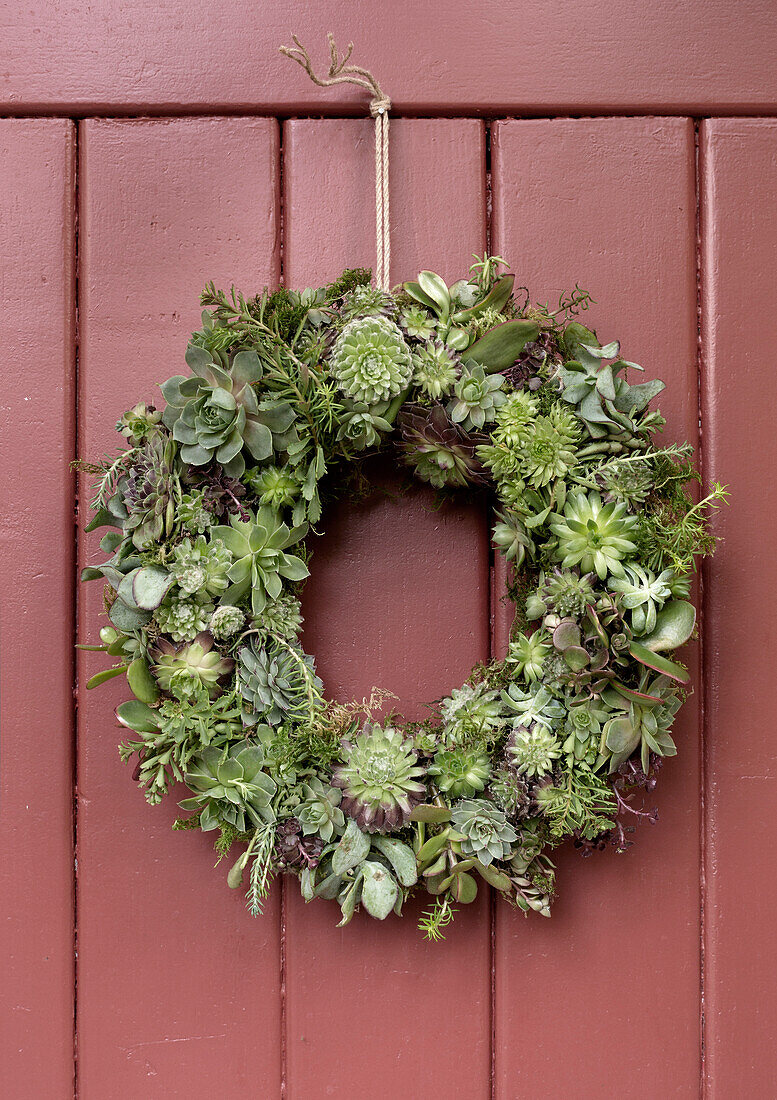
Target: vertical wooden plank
x,y
739,263
37,251
179,989
398,598
612,978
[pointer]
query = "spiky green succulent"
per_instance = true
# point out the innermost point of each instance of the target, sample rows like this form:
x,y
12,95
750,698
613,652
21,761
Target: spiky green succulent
x,y
487,833
476,397
230,787
184,668
258,546
226,621
417,323
510,793
514,419
527,654
470,713
461,772
201,566
643,593
276,486
630,482
282,617
435,369
367,301
440,451
138,423
215,413
148,492
593,535
565,593
533,750
361,424
549,450
184,617
276,682
319,811
371,360
380,778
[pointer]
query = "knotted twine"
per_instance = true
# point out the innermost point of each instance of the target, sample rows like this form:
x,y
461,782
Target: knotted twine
x,y
340,72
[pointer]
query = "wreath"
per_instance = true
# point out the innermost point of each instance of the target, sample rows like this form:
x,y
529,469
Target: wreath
x,y
213,507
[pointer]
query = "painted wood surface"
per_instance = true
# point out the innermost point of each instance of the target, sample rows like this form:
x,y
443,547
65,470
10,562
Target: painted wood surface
x,y
398,598
37,437
739,264
178,988
542,57
614,974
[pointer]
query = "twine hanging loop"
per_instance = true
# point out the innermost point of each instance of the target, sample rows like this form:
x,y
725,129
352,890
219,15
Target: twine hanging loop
x,y
340,72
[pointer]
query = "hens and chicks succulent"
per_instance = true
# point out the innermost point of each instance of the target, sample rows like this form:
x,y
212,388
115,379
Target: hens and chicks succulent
x,y
210,513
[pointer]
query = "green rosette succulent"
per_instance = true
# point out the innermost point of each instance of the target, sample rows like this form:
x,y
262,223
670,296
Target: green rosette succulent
x,y
230,787
527,654
184,617
282,617
476,397
380,778
138,423
258,546
460,773
486,832
549,450
276,486
183,669
201,566
470,713
533,750
643,593
193,513
565,593
215,413
417,323
435,369
226,621
594,535
362,424
537,705
276,682
319,812
371,360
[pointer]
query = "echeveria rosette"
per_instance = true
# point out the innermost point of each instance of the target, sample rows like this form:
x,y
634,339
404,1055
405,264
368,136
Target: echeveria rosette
x,y
486,832
183,617
258,546
148,492
380,778
476,397
319,812
215,413
593,535
275,681
361,424
460,773
230,788
533,750
201,566
370,360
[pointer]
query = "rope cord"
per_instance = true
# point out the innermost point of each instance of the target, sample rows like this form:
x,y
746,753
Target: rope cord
x,y
340,72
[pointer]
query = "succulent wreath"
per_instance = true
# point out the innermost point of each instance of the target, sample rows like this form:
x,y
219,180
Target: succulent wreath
x,y
213,505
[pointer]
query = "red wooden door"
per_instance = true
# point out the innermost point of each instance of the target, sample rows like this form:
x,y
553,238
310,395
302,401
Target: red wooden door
x,y
133,971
